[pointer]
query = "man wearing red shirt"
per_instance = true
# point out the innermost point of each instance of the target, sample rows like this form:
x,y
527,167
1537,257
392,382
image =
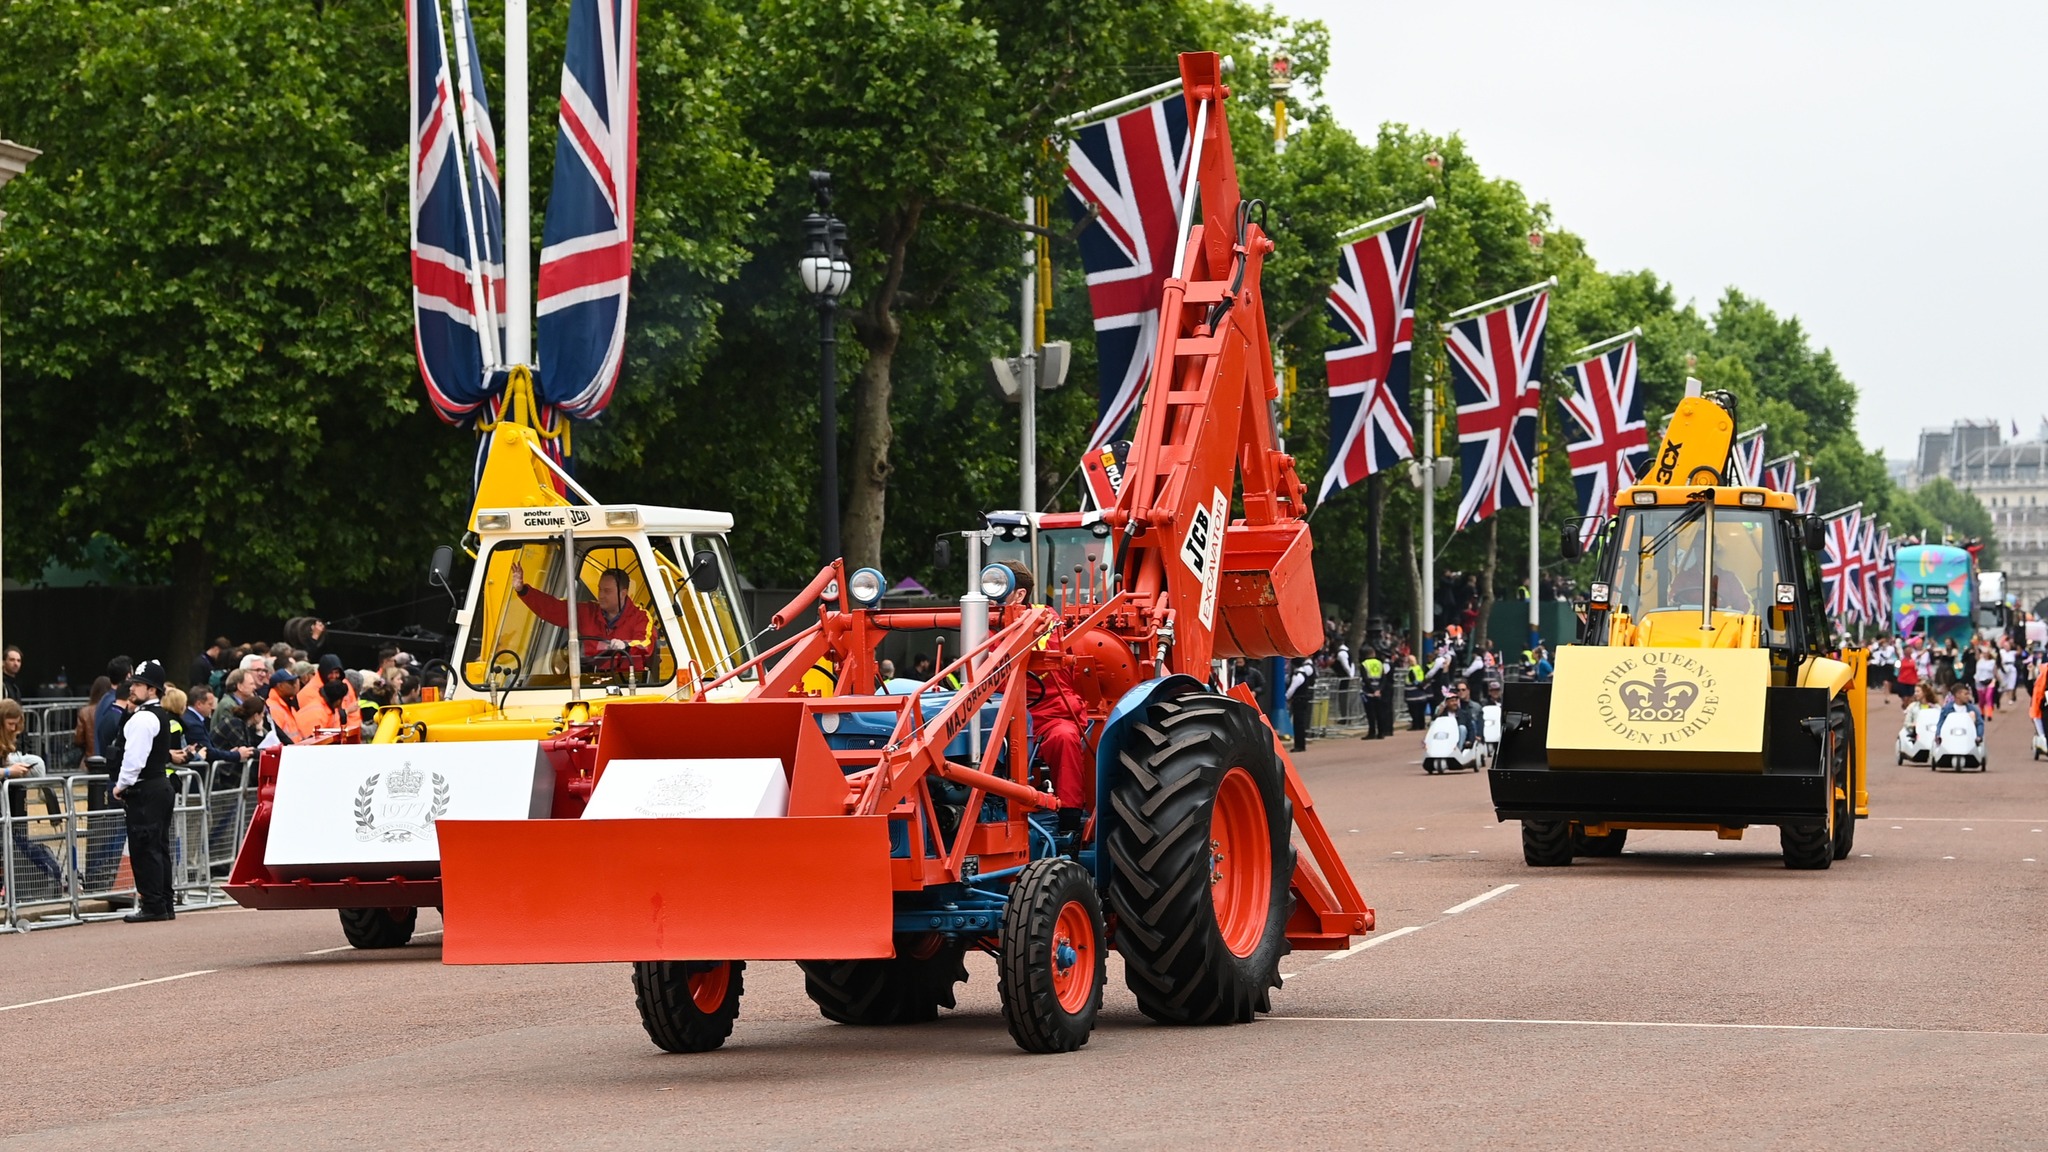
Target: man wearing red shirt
x,y
1058,718
617,635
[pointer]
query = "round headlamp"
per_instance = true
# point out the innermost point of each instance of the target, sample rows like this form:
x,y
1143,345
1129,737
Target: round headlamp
x,y
997,582
865,586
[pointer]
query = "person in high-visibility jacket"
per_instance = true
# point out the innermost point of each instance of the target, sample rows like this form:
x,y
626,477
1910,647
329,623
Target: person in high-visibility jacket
x,y
283,703
616,634
326,700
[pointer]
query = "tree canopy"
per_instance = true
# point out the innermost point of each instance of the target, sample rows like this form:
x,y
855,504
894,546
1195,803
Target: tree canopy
x,y
207,288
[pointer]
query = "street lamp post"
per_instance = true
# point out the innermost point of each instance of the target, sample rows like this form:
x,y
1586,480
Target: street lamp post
x,y
14,160
826,274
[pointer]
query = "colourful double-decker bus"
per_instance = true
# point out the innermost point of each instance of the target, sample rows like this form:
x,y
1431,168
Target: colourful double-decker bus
x,y
1934,593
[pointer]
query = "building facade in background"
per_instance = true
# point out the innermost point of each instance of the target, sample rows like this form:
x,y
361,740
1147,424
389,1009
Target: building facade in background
x,y
2010,477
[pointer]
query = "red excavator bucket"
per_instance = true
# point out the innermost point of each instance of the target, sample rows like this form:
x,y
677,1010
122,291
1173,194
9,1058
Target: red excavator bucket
x,y
1261,617
812,885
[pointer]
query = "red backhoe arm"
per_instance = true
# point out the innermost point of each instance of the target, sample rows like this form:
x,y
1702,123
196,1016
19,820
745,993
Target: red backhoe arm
x,y
1243,586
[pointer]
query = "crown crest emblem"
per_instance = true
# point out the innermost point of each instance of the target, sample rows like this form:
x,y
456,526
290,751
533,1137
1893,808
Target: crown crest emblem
x,y
408,780
1660,699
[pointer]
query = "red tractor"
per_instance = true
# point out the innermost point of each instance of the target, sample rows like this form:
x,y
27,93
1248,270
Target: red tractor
x,y
1072,781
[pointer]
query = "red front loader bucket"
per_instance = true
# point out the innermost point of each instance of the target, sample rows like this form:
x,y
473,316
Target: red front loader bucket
x,y
813,885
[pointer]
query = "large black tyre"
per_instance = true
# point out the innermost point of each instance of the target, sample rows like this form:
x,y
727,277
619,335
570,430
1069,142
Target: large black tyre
x,y
909,988
1202,866
1608,845
379,927
1809,847
688,1005
1546,843
1055,957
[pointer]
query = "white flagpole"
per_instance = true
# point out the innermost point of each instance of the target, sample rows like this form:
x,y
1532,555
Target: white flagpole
x,y
518,208
1388,221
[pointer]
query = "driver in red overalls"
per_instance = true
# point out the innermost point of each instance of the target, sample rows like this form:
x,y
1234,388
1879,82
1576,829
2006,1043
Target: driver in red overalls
x,y
616,634
1058,718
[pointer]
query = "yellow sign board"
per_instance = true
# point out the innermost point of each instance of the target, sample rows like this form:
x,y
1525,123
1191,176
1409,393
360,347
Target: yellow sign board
x,y
1679,709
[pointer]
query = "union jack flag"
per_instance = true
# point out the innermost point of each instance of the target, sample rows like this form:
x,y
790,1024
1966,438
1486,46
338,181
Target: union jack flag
x,y
1130,169
586,258
1809,497
1610,441
1749,459
450,308
1877,571
1841,565
1496,375
1782,473
487,205
1372,307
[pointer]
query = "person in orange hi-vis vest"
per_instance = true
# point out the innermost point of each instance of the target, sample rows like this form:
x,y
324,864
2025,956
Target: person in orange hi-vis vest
x,y
283,702
327,700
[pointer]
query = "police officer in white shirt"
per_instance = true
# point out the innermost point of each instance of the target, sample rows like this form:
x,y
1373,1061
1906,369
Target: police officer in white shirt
x,y
152,745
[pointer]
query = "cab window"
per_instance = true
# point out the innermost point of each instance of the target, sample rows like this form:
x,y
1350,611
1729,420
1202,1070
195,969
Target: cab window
x,y
520,635
713,638
1661,562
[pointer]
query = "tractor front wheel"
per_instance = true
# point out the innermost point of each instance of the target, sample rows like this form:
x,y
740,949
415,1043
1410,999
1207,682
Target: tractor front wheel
x,y
1546,843
1055,957
909,988
379,927
688,1005
1203,867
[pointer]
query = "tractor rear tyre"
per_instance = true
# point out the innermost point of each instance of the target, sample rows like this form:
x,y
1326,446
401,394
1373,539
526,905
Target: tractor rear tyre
x,y
907,989
688,1005
1055,957
1202,865
379,927
1547,843
1608,845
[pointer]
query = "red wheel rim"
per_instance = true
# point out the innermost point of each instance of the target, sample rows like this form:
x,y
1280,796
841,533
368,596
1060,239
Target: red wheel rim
x,y
1073,957
707,988
1240,862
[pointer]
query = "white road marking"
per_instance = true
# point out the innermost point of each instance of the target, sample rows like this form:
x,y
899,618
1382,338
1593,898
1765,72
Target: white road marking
x,y
1948,857
1482,898
347,947
1374,942
1651,1024
1971,819
115,988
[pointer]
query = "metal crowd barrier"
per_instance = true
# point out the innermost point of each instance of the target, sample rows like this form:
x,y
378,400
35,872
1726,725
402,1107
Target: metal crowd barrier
x,y
47,728
1339,705
62,839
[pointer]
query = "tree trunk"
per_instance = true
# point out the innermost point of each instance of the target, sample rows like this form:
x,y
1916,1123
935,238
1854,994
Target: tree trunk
x,y
879,332
1486,582
191,601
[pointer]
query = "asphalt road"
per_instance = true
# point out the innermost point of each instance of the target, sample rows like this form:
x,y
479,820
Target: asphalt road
x,y
1690,991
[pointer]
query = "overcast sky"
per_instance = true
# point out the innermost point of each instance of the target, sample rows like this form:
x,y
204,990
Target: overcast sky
x,y
1878,169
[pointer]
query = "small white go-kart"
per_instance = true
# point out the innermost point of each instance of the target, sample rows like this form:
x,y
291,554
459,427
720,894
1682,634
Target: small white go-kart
x,y
1958,746
1916,734
1442,752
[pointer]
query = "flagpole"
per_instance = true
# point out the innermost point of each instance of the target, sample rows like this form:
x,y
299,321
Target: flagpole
x,y
1600,346
1428,622
1027,383
1389,220
518,208
1535,489
1514,297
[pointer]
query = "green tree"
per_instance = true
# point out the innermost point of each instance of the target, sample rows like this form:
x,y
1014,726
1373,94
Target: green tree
x,y
208,274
